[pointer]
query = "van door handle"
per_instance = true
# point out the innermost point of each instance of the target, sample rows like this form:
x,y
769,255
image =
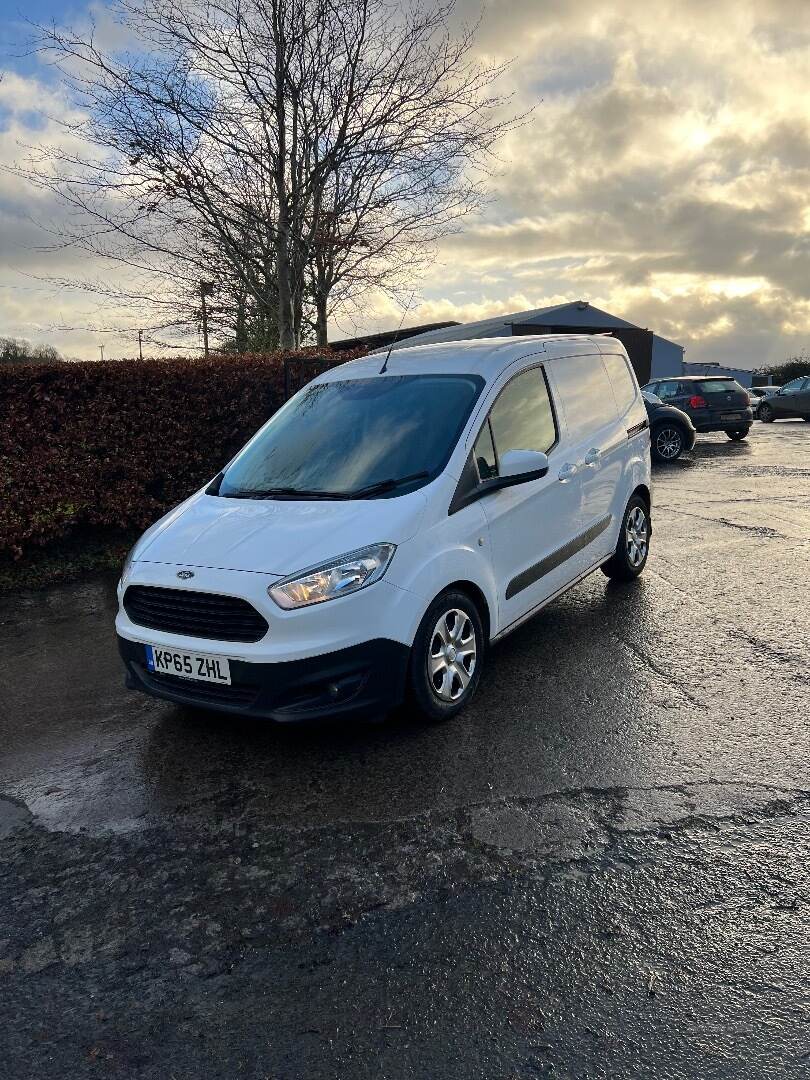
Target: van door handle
x,y
567,472
592,457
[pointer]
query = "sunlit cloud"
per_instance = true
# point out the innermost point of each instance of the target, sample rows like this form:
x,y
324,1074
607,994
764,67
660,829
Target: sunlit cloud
x,y
664,174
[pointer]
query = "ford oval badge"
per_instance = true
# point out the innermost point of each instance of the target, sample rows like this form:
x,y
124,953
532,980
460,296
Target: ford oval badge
x,y
184,575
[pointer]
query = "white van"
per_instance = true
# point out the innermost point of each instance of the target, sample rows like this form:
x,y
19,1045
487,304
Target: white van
x,y
387,524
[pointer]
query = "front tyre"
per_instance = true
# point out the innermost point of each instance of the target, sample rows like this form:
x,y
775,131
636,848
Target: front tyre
x,y
633,547
447,656
737,434
765,413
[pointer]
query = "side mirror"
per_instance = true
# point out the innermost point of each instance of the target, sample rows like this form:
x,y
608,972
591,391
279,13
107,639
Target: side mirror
x,y
522,465
516,467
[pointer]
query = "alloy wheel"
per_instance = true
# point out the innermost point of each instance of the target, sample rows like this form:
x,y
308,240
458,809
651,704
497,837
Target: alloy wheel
x,y
452,654
636,536
668,443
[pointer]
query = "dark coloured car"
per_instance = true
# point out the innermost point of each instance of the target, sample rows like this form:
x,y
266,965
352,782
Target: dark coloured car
x,y
712,402
671,430
757,394
790,401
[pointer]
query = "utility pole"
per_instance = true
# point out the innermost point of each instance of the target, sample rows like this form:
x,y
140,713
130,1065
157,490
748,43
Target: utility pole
x,y
140,344
101,348
206,289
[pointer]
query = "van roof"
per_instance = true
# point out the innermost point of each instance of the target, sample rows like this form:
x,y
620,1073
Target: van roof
x,y
475,356
695,378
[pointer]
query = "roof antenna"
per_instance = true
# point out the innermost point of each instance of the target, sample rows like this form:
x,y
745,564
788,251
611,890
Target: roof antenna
x,y
384,368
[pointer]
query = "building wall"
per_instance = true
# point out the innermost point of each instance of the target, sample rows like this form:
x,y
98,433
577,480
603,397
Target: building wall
x,y
667,358
743,377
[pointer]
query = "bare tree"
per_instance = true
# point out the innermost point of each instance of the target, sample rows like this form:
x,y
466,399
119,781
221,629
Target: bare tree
x,y
20,351
295,152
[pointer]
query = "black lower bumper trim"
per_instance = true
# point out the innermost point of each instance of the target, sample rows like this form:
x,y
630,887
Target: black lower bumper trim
x,y
717,423
728,425
364,679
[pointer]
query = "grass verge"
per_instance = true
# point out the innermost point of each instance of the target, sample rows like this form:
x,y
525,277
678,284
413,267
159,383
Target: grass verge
x,y
66,560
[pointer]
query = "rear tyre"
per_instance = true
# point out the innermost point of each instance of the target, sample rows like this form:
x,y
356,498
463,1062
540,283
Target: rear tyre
x,y
737,434
447,656
633,547
765,413
667,443
806,419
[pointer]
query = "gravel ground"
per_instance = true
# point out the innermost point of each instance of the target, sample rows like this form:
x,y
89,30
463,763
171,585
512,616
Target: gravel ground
x,y
601,869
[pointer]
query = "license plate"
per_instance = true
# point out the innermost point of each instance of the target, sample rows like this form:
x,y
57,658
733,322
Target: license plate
x,y
732,416
188,665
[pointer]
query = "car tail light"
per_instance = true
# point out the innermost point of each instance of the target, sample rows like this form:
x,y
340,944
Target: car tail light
x,y
697,402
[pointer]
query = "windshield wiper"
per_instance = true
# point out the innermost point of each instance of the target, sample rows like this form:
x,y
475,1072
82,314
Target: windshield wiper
x,y
300,493
385,485
283,493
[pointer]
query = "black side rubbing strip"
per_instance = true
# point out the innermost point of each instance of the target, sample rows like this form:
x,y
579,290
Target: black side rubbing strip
x,y
637,429
556,558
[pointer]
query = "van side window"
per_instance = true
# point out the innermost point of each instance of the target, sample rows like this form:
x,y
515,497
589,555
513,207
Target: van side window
x,y
484,453
624,387
522,417
586,394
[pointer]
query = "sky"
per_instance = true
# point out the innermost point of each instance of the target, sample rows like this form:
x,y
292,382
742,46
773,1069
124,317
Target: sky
x,y
664,175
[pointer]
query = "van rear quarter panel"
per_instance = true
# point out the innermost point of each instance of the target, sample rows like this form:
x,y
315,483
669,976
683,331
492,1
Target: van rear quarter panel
x,y
604,424
636,462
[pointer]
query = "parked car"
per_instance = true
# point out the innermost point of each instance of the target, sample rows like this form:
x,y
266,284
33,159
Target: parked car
x,y
712,402
387,524
756,394
791,401
671,430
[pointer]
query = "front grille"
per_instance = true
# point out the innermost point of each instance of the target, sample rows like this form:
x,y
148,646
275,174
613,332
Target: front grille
x,y
204,693
194,614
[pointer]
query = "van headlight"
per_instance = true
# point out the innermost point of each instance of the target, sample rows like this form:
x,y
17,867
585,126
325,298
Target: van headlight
x,y
125,569
339,577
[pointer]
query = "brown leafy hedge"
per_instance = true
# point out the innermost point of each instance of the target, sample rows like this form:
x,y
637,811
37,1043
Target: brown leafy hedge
x,y
117,443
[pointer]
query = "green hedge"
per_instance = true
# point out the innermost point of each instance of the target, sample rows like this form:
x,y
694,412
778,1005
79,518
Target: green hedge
x,y
117,443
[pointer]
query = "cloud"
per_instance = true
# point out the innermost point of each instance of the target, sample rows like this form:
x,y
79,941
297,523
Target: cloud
x,y
32,221
664,174
669,157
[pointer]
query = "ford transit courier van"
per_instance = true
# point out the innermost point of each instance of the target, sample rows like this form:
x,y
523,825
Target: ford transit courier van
x,y
387,524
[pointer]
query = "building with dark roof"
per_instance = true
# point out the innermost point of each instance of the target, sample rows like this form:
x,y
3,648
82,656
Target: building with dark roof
x,y
652,356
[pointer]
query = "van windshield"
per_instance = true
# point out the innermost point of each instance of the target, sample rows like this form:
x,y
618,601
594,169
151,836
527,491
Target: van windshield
x,y
355,438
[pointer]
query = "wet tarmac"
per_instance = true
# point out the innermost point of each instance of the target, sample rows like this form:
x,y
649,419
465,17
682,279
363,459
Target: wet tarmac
x,y
601,869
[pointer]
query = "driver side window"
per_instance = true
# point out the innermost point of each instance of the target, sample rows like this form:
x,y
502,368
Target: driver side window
x,y
521,419
484,454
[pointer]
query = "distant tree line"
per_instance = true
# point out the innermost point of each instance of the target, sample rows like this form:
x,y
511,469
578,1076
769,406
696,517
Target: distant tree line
x,y
20,351
281,157
791,368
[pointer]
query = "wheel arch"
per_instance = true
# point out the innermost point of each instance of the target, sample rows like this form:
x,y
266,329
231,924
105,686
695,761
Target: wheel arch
x,y
643,492
656,425
477,595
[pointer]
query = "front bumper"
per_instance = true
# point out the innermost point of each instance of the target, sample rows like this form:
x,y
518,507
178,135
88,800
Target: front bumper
x,y
363,679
